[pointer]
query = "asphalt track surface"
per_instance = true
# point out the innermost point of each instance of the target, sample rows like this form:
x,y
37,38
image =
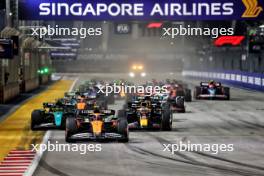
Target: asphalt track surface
x,y
239,121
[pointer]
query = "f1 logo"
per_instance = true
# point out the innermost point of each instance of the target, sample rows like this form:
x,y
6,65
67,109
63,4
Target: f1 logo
x,y
229,40
252,9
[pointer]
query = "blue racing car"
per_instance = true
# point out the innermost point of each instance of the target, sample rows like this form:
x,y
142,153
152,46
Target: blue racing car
x,y
53,115
212,90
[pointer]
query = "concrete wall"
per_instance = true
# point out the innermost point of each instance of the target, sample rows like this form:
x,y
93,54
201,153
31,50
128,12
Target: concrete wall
x,y
45,62
30,60
230,66
235,59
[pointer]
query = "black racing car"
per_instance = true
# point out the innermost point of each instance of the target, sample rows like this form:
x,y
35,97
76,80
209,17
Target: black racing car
x,y
212,90
53,115
144,112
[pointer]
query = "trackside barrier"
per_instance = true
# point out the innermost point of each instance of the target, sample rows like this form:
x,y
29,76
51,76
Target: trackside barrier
x,y
254,81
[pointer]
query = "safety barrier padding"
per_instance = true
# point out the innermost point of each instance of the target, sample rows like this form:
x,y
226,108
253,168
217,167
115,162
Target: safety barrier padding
x,y
254,81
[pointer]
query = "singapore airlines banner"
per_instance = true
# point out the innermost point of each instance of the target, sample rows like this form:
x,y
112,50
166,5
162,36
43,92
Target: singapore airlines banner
x,y
141,9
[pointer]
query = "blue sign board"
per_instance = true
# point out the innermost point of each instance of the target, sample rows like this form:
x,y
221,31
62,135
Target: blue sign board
x,y
63,55
141,10
6,49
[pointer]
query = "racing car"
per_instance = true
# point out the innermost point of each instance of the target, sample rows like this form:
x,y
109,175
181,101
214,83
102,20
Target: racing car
x,y
212,90
53,115
180,89
97,125
148,113
137,70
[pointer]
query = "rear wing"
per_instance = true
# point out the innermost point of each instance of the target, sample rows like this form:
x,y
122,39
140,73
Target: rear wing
x,y
133,104
90,112
206,84
49,105
69,94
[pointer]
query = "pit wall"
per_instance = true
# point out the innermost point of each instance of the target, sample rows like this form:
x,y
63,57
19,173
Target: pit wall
x,y
44,79
246,80
31,84
8,92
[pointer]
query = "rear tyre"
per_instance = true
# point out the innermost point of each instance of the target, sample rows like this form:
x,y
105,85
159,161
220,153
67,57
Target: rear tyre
x,y
227,92
188,95
180,104
71,129
36,119
122,128
197,92
121,114
63,120
63,123
166,121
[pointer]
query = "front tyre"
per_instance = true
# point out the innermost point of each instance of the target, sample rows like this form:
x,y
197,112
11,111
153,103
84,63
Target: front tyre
x,y
36,118
166,121
227,93
71,129
188,95
123,130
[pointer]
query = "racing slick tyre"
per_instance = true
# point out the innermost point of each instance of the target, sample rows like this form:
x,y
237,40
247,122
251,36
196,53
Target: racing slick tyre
x,y
63,123
166,121
180,104
123,130
121,114
71,129
197,92
123,126
227,92
36,118
188,95
63,120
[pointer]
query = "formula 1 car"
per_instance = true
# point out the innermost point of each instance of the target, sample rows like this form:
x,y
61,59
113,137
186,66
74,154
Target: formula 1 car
x,y
148,113
212,90
177,104
180,89
97,125
53,115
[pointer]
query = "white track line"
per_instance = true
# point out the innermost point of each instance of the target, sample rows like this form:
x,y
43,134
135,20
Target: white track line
x,y
30,171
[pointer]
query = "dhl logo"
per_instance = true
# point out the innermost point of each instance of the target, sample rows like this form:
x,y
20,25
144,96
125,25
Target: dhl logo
x,y
252,9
